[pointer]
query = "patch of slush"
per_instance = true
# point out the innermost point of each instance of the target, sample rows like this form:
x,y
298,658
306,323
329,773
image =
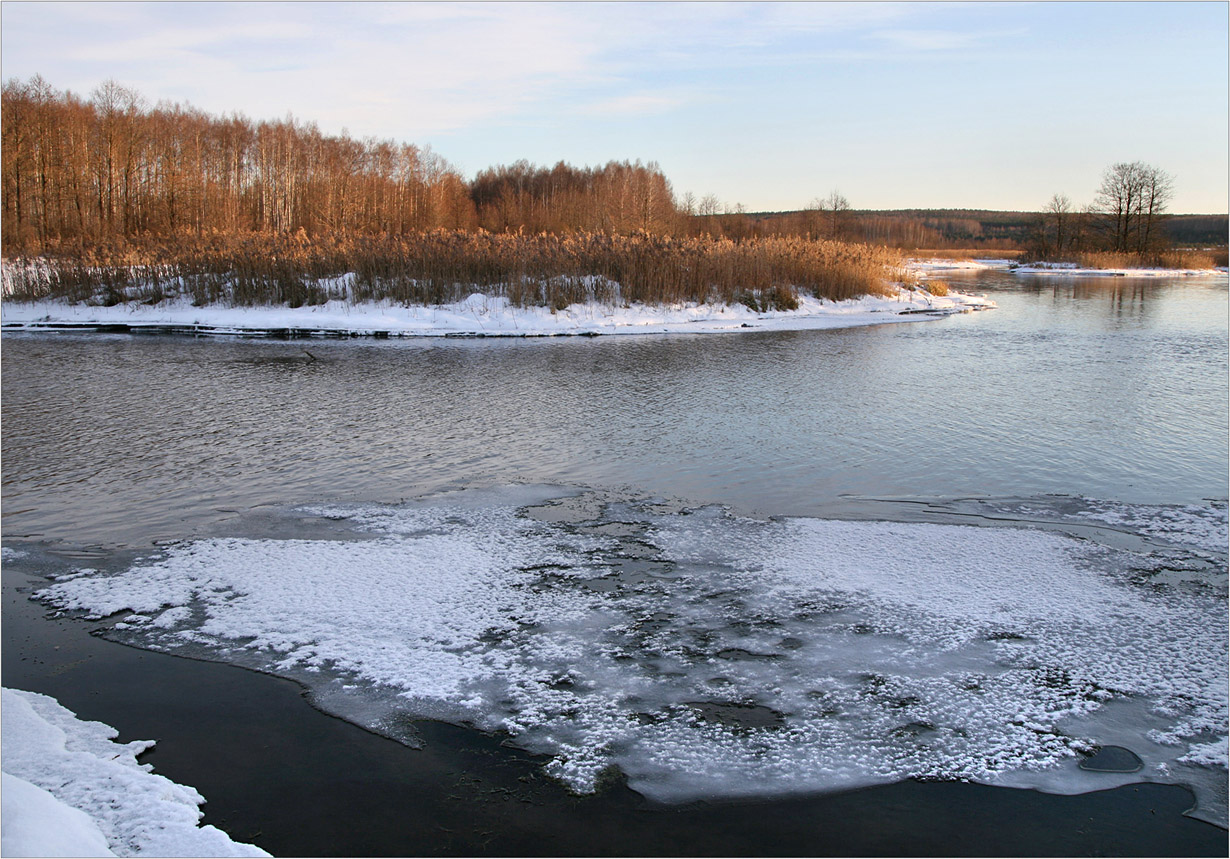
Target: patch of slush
x,y
1202,526
708,655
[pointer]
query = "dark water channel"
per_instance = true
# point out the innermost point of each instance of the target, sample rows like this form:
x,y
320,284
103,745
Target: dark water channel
x,y
1113,390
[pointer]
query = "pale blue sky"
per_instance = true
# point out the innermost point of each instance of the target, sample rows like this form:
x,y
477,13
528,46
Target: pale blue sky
x,y
929,105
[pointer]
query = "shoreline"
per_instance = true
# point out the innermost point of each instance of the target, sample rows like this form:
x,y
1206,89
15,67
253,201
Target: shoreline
x,y
259,752
1064,269
478,316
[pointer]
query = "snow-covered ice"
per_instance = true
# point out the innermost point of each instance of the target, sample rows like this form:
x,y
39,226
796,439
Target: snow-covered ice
x,y
710,655
70,790
495,316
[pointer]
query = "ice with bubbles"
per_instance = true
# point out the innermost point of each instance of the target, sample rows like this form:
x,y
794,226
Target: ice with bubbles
x,y
708,655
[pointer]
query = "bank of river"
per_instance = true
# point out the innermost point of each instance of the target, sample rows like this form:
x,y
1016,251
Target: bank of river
x,y
480,316
1092,411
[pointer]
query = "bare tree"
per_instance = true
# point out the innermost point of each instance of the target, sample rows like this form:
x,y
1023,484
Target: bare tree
x,y
834,215
1051,235
1132,200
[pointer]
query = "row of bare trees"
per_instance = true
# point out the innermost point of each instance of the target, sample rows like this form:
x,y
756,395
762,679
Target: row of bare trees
x,y
88,176
78,172
619,198
1124,218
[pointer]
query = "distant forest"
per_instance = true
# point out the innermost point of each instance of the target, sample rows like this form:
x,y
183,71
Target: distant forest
x,y
93,176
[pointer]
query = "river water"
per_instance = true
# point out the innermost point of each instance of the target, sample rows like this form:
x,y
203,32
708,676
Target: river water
x,y
1110,389
603,548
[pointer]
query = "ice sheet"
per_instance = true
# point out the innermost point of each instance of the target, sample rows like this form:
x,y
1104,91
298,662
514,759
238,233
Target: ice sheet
x,y
709,655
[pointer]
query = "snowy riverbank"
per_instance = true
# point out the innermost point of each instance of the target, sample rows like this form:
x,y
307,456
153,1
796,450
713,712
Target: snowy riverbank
x,y
482,315
927,267
70,790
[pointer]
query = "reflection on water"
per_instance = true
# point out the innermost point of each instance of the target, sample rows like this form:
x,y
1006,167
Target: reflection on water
x,y
1114,389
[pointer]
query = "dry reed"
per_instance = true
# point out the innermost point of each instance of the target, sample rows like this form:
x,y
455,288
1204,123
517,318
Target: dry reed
x,y
1169,259
445,266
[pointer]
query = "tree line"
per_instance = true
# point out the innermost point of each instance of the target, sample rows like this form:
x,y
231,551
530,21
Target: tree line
x,y
97,176
80,172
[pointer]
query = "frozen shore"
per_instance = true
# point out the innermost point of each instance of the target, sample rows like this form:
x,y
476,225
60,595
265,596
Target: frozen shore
x,y
482,315
1066,269
69,790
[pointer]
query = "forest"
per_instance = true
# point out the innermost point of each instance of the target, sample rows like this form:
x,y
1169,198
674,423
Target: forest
x,y
101,187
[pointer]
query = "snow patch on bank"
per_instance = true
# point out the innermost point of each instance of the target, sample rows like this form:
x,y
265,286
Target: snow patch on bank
x,y
69,790
930,266
495,316
709,655
1068,269
1071,269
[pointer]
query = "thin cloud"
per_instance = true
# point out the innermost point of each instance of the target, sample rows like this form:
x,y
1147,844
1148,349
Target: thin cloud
x,y
639,104
940,40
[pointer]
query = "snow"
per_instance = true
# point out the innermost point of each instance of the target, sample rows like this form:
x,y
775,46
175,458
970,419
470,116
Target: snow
x,y
494,316
38,824
709,655
929,266
1068,269
70,790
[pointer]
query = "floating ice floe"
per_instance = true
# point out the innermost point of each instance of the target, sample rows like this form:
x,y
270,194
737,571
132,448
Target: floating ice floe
x,y
709,655
69,790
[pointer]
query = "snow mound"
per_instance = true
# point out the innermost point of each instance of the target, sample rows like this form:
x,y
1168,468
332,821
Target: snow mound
x,y
38,824
75,792
489,316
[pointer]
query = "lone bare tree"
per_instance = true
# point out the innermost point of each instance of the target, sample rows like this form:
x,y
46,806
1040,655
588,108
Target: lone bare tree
x,y
1051,235
830,216
1132,200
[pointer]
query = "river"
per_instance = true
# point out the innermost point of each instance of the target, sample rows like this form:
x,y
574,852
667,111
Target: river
x,y
678,490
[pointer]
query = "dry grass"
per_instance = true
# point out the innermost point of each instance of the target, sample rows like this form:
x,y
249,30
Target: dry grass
x,y
966,254
1172,259
444,266
936,287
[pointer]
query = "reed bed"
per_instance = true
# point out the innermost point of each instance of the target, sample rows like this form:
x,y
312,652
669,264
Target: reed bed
x,y
445,266
1172,259
966,254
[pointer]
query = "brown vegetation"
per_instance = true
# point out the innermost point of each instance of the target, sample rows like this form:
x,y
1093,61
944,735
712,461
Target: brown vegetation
x,y
442,266
1174,259
107,200
122,202
965,254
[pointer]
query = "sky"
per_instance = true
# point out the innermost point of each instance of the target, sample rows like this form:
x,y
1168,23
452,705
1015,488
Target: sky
x,y
761,104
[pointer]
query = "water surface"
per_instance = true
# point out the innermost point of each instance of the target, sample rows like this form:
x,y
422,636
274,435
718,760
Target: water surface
x,y
1112,389
641,607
